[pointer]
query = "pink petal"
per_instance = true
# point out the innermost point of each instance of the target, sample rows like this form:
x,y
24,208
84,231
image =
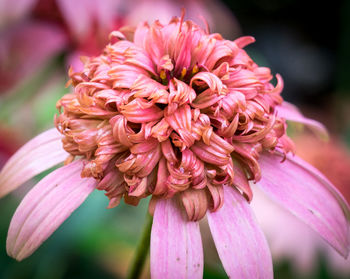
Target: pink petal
x,y
39,154
46,207
292,113
305,192
176,245
79,20
240,243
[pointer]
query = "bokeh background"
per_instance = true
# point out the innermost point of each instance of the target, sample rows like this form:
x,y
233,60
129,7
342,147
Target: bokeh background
x,y
307,42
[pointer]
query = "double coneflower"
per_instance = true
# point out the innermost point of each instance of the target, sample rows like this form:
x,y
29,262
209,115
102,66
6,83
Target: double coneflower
x,y
186,117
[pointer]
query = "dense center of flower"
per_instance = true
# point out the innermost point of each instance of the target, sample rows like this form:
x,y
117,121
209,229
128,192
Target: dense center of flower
x,y
172,110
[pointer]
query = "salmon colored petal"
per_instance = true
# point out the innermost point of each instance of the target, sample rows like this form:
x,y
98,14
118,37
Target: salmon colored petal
x,y
176,245
292,113
41,153
195,203
46,207
307,194
240,243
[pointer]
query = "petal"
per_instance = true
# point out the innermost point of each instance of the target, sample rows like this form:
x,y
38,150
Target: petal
x,y
195,203
292,113
46,207
240,243
79,21
39,154
306,193
176,245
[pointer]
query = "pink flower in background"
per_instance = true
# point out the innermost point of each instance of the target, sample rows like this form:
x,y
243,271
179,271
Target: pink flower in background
x,y
35,31
218,16
174,112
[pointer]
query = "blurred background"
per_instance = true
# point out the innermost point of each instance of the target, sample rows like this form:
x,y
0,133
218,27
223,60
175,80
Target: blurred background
x,y
305,41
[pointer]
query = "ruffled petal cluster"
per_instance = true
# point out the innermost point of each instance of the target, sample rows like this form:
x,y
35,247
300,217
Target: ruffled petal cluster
x,y
171,109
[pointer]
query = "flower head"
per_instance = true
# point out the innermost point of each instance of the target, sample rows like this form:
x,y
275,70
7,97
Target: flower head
x,y
171,109
187,117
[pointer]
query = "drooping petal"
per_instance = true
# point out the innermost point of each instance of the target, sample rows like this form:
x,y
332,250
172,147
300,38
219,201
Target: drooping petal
x,y
240,243
306,193
292,113
39,154
46,207
176,245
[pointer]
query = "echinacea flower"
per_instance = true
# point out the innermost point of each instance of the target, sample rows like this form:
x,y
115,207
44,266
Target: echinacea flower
x,y
186,117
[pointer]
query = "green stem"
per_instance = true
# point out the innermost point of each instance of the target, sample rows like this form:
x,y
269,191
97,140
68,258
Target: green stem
x,y
141,250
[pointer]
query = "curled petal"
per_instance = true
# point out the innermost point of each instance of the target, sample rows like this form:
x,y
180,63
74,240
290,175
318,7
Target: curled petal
x,y
145,87
46,207
180,92
206,99
305,192
242,42
216,197
168,151
139,189
124,76
138,57
248,160
161,130
120,130
176,245
240,243
222,52
211,80
139,111
195,203
39,154
162,177
217,153
181,122
241,182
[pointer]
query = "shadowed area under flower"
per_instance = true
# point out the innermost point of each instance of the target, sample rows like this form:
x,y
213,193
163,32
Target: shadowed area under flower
x,y
189,118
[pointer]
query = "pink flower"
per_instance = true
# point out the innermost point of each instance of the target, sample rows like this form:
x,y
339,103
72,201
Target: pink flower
x,y
35,31
173,112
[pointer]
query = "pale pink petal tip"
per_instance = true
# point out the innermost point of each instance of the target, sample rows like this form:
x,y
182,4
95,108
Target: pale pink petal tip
x,y
176,245
240,243
39,154
292,113
306,193
46,207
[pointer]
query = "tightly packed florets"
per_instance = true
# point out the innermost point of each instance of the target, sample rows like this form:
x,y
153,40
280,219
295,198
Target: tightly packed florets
x,y
172,110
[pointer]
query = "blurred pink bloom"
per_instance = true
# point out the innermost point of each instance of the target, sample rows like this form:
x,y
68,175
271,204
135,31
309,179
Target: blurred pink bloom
x,y
287,236
26,48
218,16
35,31
187,117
